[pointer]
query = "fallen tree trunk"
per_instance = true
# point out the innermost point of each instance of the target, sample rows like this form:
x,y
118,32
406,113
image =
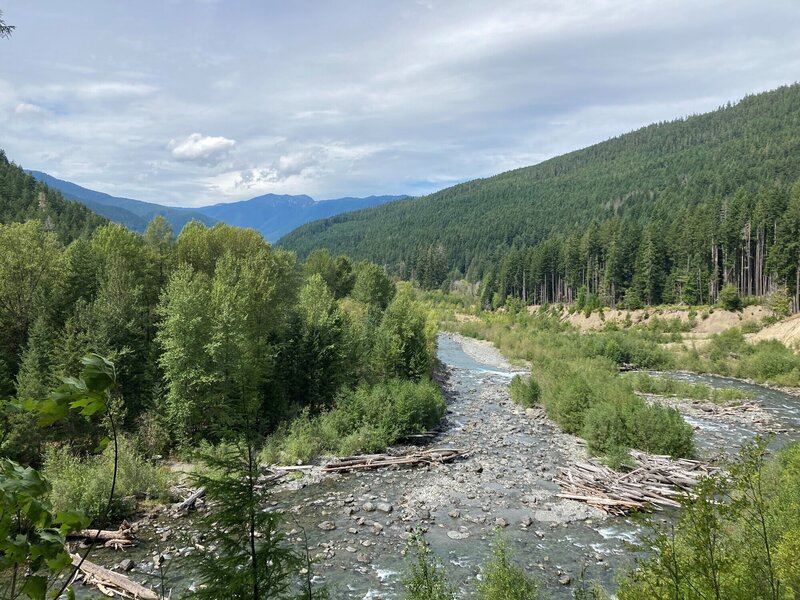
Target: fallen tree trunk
x,y
191,500
105,578
377,461
102,535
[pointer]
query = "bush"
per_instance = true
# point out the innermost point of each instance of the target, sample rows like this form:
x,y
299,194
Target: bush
x,y
367,419
503,580
729,298
525,391
769,360
612,426
780,302
751,326
660,430
426,580
152,436
666,386
84,484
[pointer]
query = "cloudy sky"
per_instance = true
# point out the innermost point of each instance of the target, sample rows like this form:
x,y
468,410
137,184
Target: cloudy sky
x,y
191,102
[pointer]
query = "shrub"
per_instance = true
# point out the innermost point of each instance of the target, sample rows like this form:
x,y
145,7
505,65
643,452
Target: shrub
x,y
152,436
768,361
84,484
525,391
660,430
503,580
612,426
425,580
780,302
366,419
666,386
729,298
751,326
606,425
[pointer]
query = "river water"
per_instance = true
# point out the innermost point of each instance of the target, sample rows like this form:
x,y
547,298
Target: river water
x,y
357,525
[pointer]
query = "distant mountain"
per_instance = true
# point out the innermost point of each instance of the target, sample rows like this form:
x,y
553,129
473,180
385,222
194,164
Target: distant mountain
x,y
276,215
134,214
273,215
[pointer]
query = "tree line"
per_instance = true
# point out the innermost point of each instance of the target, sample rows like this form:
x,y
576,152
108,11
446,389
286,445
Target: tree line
x,y
684,207
750,242
195,325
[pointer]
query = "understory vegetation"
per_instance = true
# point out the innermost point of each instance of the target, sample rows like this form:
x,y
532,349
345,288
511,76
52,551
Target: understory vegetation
x,y
576,379
738,538
667,386
210,340
501,578
365,420
729,353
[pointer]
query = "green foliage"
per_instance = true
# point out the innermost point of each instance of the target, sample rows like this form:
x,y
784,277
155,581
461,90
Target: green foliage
x,y
404,340
580,386
525,391
728,353
251,558
779,302
32,535
83,484
502,579
372,286
736,538
367,419
667,386
729,298
425,579
655,215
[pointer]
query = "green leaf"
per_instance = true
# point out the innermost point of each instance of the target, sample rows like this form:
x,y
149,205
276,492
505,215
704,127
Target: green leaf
x,y
72,521
60,561
35,587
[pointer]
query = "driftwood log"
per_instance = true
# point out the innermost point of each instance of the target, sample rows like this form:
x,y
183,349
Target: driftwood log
x,y
106,579
654,482
377,461
191,500
119,539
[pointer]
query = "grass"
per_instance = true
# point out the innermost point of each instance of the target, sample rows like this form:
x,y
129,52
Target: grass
x,y
83,484
367,419
666,386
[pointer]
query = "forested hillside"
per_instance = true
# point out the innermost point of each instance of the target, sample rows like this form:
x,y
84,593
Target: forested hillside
x,y
134,214
23,198
671,212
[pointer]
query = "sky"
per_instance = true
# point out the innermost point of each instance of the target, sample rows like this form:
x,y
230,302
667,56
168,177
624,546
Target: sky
x,y
194,102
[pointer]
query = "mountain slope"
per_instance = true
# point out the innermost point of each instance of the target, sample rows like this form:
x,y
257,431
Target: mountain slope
x,y
272,215
23,198
275,215
643,175
134,214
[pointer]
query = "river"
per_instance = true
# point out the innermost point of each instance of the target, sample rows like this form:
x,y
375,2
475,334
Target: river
x,y
358,524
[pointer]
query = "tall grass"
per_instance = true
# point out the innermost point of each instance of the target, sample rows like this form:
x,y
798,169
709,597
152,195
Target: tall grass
x,y
367,419
666,386
83,483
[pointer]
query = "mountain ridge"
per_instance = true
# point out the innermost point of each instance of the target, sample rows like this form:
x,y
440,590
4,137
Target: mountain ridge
x,y
283,212
643,174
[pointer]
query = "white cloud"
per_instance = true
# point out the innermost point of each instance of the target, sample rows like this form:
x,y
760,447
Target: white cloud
x,y
27,109
201,148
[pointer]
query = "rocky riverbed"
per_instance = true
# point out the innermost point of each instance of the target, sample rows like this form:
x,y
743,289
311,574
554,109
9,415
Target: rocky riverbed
x,y
357,525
